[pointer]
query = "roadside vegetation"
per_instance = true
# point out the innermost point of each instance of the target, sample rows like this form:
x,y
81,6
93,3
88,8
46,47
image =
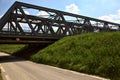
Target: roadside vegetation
x,y
10,48
93,53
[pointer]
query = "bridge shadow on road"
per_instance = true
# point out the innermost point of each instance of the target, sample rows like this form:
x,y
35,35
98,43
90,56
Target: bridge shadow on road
x,y
8,58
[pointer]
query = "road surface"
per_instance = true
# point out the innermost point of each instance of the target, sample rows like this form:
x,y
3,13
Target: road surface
x,y
19,69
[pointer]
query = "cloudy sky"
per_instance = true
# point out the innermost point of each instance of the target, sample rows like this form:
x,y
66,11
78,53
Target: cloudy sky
x,y
102,9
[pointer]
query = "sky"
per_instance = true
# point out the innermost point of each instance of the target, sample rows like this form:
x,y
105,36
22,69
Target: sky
x,y
108,10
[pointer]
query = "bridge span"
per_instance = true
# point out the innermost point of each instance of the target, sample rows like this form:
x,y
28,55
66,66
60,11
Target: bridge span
x,y
27,23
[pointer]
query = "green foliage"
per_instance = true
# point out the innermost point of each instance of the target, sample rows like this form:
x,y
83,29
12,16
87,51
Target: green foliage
x,y
10,48
93,53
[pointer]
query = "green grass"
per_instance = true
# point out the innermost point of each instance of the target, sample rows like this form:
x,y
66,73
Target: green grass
x,y
10,48
93,53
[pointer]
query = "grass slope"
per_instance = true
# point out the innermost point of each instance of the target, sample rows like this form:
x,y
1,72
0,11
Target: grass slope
x,y
94,53
10,48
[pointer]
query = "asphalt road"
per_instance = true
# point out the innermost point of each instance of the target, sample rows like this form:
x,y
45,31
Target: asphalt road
x,y
19,69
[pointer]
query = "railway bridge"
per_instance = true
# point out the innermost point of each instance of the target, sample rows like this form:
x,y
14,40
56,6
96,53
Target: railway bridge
x,y
27,23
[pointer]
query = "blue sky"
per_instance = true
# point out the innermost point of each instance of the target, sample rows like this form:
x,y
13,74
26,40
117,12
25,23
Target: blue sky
x,y
102,9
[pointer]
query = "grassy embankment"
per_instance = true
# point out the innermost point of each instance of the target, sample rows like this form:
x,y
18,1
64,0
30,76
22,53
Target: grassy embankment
x,y
10,48
94,53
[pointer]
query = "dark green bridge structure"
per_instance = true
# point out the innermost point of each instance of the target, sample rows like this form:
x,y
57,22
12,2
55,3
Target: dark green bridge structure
x,y
21,24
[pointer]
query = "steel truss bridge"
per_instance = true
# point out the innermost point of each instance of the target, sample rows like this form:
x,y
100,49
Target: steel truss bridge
x,y
26,23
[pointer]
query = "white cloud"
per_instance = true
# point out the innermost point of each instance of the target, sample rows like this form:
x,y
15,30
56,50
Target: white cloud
x,y
26,12
72,8
43,14
111,17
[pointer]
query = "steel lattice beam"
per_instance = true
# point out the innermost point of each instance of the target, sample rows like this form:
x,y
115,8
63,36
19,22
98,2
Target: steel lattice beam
x,y
57,24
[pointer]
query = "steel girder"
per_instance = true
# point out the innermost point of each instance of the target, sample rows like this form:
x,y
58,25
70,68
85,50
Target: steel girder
x,y
19,20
